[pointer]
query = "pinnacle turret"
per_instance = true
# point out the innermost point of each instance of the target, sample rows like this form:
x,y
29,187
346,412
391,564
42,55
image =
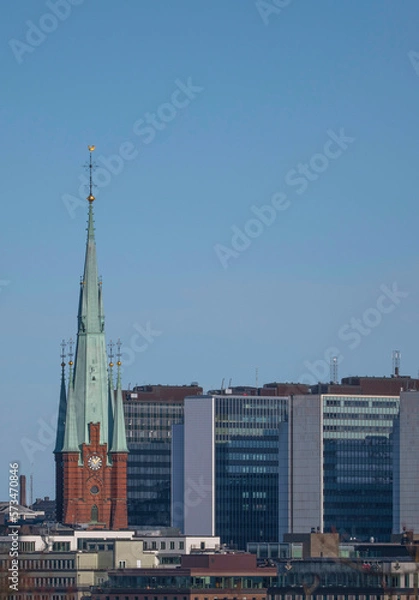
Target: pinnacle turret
x,y
62,409
119,438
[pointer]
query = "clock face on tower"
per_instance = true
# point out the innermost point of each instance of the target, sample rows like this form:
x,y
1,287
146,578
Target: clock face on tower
x,y
94,462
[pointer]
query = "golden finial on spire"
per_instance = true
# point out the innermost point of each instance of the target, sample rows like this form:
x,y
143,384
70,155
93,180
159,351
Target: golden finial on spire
x,y
118,354
90,197
111,346
70,353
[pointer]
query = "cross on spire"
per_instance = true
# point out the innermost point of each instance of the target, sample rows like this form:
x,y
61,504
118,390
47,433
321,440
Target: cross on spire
x,y
63,347
91,168
70,354
111,346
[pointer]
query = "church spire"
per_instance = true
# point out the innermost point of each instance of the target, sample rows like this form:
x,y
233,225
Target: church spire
x,y
90,365
62,409
119,438
70,442
91,446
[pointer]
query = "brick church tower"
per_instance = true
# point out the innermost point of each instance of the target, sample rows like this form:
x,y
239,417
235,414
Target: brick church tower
x,y
91,449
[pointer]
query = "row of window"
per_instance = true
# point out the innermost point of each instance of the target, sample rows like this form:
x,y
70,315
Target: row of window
x,y
358,428
149,470
158,598
351,416
255,443
64,596
245,456
40,564
382,403
251,469
163,545
48,582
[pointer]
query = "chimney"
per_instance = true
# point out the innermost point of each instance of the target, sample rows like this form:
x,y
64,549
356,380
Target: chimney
x,y
22,490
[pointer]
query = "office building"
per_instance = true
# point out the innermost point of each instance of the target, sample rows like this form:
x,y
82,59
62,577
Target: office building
x,y
150,411
230,468
406,469
341,471
347,579
199,577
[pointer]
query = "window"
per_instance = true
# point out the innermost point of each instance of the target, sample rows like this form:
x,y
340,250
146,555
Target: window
x,y
181,545
172,545
122,564
162,545
94,514
154,545
202,545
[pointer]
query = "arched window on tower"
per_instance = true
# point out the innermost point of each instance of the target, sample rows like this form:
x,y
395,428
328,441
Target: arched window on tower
x,y
94,513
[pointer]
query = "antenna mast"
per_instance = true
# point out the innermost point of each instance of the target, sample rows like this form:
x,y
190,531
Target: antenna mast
x,y
334,378
396,363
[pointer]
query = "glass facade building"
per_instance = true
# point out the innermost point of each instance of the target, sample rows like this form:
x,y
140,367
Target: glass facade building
x,y
341,472
247,463
150,412
253,468
358,465
235,447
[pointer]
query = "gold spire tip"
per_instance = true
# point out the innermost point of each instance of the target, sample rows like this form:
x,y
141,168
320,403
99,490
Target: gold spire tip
x,y
91,148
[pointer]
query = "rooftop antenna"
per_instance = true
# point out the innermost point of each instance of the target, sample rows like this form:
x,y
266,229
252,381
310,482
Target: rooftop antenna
x,y
334,370
229,382
257,376
396,363
222,384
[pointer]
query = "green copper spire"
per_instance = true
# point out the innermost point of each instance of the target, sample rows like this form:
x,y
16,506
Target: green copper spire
x,y
71,443
90,397
62,409
111,398
119,438
90,369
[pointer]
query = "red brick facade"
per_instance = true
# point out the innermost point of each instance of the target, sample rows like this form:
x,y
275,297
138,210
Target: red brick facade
x,y
93,491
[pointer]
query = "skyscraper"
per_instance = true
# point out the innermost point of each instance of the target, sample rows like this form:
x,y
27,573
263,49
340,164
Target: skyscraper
x,y
91,450
230,468
406,469
341,472
150,412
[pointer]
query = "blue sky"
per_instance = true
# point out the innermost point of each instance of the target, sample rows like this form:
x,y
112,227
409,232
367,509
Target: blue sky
x,y
269,91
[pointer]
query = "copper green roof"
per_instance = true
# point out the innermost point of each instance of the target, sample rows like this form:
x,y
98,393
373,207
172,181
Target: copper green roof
x,y
90,397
